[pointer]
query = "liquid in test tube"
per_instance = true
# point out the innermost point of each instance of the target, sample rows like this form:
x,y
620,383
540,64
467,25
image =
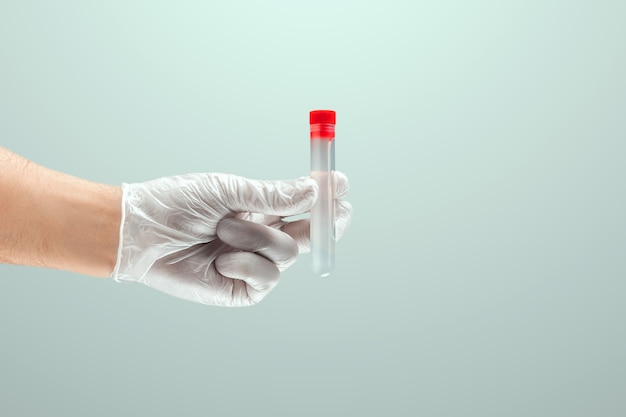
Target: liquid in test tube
x,y
323,212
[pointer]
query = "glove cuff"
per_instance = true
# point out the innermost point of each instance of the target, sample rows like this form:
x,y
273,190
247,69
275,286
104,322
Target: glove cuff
x,y
116,271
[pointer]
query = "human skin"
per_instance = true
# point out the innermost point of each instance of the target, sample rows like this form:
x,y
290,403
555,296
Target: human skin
x,y
54,220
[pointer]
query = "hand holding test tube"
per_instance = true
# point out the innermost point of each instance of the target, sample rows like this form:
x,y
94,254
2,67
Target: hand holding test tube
x,y
323,213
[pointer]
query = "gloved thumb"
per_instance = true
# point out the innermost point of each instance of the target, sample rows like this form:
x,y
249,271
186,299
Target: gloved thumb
x,y
276,198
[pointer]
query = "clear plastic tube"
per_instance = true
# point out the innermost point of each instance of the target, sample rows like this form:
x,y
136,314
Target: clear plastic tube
x,y
323,212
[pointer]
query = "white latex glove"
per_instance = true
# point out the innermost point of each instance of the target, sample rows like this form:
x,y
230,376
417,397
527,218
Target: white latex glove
x,y
217,239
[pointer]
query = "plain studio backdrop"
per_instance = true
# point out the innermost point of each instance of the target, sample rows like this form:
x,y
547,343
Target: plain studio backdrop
x,y
484,273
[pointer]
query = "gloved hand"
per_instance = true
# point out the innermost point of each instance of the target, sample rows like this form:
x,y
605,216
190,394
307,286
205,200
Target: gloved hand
x,y
217,239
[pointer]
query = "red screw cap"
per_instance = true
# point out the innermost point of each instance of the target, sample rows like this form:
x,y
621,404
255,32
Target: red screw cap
x,y
322,116
322,124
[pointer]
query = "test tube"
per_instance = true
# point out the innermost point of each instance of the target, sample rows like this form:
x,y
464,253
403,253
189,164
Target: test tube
x,y
323,212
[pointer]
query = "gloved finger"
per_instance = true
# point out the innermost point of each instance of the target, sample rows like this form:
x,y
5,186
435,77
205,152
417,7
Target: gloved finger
x,y
341,187
259,275
194,277
279,198
300,230
341,184
271,243
343,217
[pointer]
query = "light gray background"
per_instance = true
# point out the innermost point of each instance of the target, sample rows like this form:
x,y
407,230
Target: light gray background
x,y
484,273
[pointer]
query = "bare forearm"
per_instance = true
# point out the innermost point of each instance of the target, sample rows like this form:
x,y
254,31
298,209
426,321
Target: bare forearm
x,y
54,220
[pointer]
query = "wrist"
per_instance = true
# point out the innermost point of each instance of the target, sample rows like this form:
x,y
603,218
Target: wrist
x,y
83,233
